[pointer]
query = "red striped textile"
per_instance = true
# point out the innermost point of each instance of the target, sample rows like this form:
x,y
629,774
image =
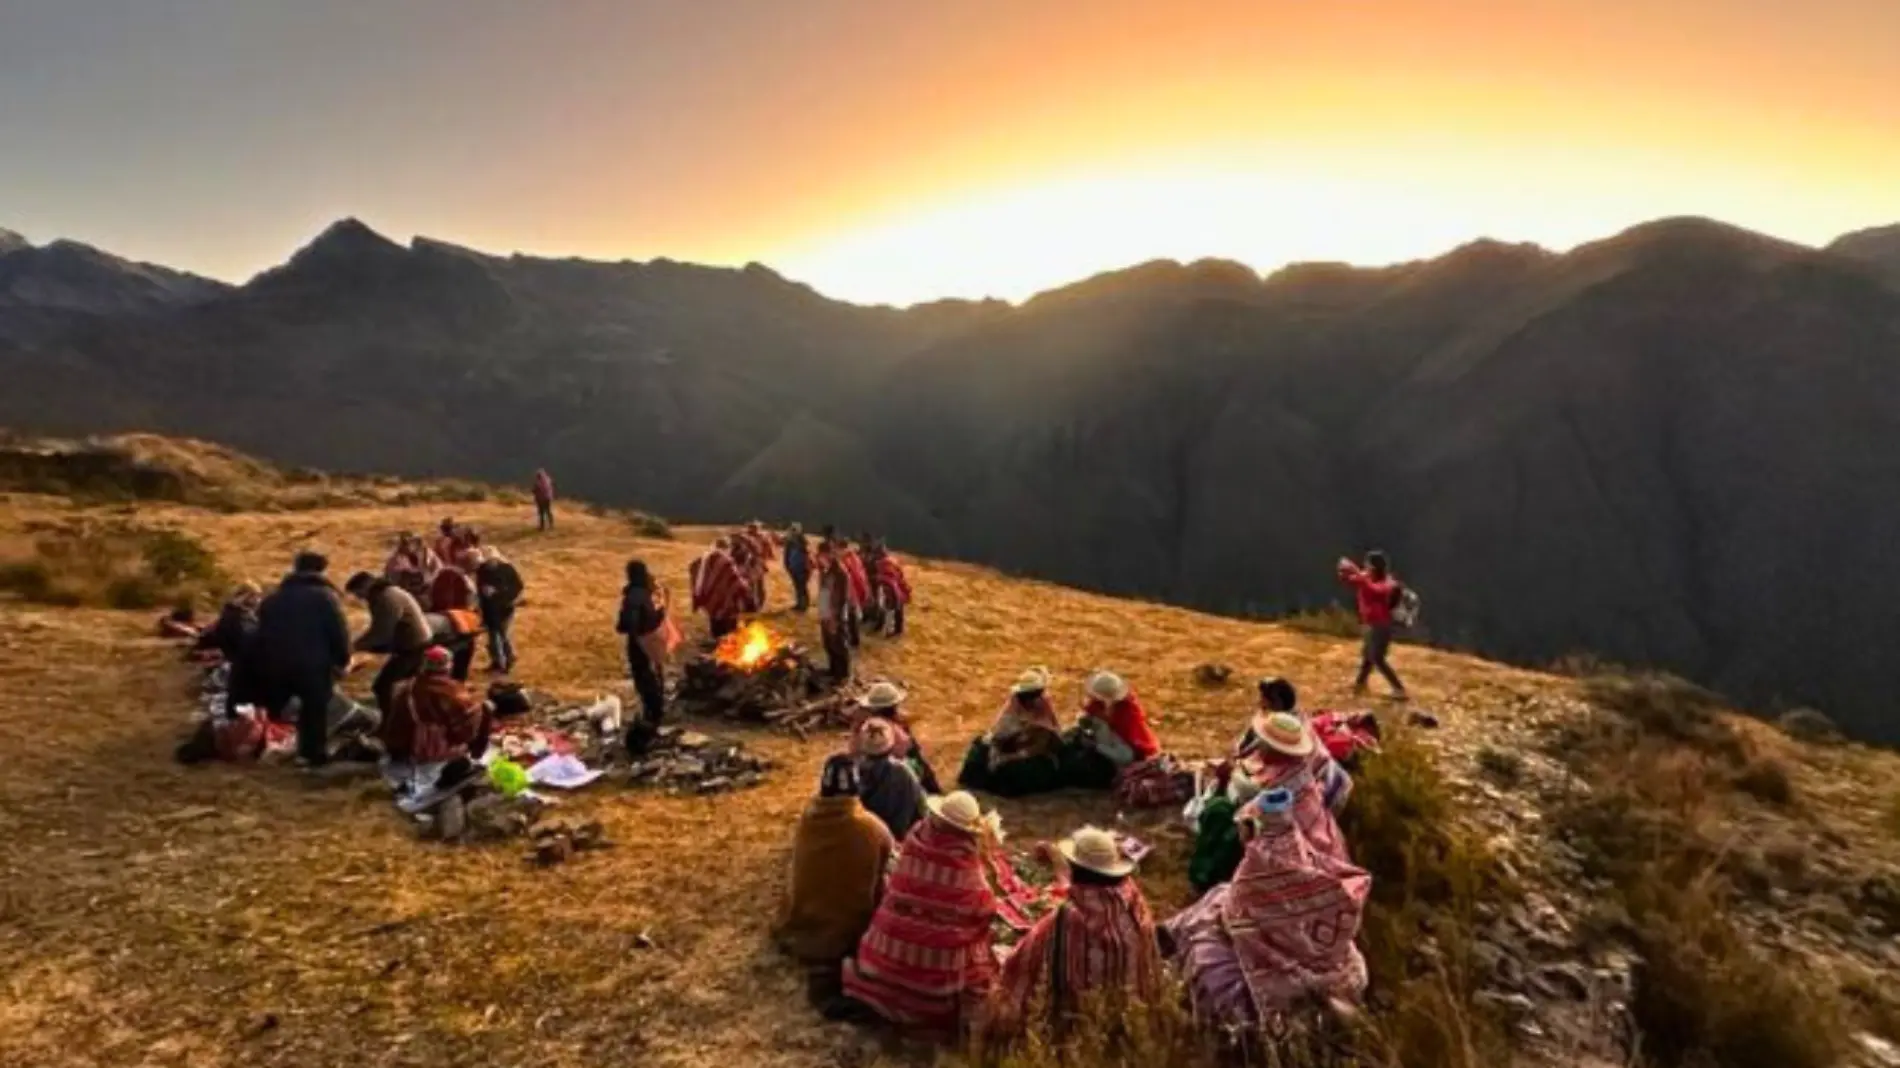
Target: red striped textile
x,y
1108,949
860,582
719,589
1292,913
890,575
926,961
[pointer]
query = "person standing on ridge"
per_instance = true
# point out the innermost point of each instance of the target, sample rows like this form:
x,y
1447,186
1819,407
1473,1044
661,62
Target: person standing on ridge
x,y
1378,594
544,499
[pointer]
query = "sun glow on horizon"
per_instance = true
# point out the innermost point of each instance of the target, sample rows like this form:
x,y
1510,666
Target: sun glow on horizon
x,y
1013,241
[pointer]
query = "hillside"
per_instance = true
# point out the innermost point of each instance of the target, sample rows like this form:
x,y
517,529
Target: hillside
x,y
1672,447
214,916
1878,247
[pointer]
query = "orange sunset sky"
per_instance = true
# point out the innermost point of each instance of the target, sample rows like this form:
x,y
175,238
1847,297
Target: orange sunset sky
x,y
888,151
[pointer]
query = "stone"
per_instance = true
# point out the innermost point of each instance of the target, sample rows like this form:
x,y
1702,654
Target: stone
x,y
715,784
1567,982
692,740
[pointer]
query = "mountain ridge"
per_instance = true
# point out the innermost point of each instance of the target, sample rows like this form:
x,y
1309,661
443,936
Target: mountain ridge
x,y
1195,432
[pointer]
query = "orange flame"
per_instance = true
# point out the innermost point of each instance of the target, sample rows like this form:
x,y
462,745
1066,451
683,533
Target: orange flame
x,y
749,647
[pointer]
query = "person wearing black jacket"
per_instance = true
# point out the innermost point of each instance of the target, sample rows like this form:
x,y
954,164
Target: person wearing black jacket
x,y
642,614
303,648
498,588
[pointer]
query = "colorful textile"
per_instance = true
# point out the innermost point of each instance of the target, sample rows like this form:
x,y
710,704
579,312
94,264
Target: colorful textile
x,y
1129,721
1283,929
719,588
925,962
543,488
859,583
891,577
1106,940
1016,719
1217,845
1346,736
890,790
839,855
432,718
1376,596
1158,782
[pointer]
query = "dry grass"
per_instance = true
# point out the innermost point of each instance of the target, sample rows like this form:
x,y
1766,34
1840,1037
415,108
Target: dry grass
x,y
303,924
113,565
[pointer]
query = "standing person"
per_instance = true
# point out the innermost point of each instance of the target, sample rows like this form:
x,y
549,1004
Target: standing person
x,y
1378,594
448,541
398,629
544,499
798,566
453,589
643,621
834,611
302,648
498,586
762,548
860,588
719,588
892,588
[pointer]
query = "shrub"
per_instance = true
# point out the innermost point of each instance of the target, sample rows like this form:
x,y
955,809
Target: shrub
x,y
134,591
1669,707
115,566
173,558
1333,621
1890,819
1809,725
650,526
1767,780
30,579
1505,766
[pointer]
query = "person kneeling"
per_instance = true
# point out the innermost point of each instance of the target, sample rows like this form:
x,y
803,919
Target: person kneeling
x,y
433,718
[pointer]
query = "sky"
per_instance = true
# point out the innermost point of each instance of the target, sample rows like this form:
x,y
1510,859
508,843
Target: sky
x,y
887,151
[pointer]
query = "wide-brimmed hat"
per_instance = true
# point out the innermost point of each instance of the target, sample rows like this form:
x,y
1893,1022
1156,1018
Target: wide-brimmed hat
x,y
875,738
957,809
883,694
1283,732
1096,850
1108,686
1033,680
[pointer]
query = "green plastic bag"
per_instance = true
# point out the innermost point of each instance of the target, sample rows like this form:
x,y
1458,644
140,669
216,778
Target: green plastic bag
x,y
508,777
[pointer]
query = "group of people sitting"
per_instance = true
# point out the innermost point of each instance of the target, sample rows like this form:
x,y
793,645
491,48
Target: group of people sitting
x,y
900,900
1028,751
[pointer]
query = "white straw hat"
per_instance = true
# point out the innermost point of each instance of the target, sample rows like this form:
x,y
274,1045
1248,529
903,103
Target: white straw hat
x,y
1096,850
958,809
1034,680
883,694
1284,732
1108,686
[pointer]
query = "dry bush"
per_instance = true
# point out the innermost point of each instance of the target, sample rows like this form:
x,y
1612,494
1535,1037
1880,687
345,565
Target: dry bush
x,y
651,526
123,567
1890,816
1767,780
1659,776
1503,765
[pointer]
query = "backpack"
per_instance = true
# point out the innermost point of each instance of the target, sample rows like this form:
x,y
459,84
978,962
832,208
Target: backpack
x,y
1406,605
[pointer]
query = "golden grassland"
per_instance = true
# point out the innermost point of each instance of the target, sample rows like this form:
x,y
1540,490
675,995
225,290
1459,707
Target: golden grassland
x,y
303,923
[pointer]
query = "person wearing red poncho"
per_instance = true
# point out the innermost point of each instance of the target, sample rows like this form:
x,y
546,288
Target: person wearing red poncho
x,y
1112,701
760,549
719,589
859,587
891,588
925,963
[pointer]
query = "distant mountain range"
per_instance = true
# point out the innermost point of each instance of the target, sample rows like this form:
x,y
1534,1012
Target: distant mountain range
x,y
1677,447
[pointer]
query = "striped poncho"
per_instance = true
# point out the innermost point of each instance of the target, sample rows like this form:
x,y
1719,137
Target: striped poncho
x,y
890,577
1106,936
719,589
926,960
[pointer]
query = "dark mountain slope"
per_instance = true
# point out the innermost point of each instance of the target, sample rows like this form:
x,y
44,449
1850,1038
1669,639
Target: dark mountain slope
x,y
1878,247
1676,447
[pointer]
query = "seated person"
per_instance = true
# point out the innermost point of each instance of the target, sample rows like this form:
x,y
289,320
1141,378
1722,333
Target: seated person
x,y
886,785
236,625
1021,754
1098,943
433,718
926,962
1281,931
839,854
1277,750
1113,734
885,701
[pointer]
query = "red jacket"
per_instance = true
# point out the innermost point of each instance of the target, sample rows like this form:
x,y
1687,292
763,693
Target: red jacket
x,y
890,575
1129,721
859,582
1375,595
451,591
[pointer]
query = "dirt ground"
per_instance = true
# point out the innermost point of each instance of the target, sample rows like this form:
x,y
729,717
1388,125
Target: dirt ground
x,y
303,923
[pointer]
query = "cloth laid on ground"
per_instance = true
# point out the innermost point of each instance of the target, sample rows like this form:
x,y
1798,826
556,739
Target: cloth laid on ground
x,y
563,771
925,961
1346,736
1159,782
1099,941
839,855
1283,929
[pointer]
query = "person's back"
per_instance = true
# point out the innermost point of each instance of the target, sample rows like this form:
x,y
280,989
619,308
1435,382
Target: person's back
x,y
839,855
301,626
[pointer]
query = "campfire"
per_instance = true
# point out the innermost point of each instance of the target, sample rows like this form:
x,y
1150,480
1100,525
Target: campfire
x,y
759,675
